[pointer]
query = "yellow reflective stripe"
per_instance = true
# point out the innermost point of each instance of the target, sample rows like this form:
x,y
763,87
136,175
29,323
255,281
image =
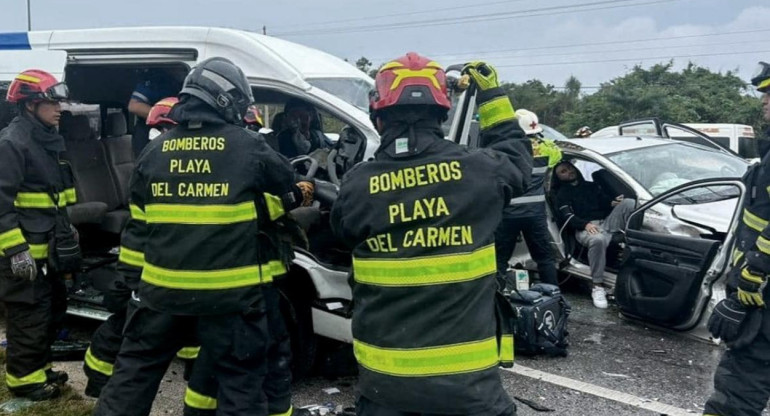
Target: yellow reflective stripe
x,y
48,366
200,214
423,271
131,257
136,212
212,279
28,78
506,349
747,275
188,353
764,84
420,362
753,221
70,196
11,238
98,365
495,111
39,251
763,244
274,206
286,413
39,200
198,401
35,377
737,256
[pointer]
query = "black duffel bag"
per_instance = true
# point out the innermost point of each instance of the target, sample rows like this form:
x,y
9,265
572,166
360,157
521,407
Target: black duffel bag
x,y
541,320
64,254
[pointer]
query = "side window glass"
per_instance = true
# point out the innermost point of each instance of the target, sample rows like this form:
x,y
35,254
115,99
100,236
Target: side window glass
x,y
586,168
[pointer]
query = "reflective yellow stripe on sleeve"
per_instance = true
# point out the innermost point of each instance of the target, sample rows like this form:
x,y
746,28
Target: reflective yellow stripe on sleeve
x,y
200,214
737,256
35,377
212,279
11,238
131,257
199,401
274,206
39,251
506,350
137,213
764,84
435,361
753,221
70,196
423,271
38,200
98,365
188,353
495,112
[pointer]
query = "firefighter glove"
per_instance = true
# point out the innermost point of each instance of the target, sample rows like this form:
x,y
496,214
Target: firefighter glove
x,y
751,287
23,266
306,188
483,74
725,322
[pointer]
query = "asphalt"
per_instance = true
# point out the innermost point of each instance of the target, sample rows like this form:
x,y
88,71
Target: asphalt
x,y
612,362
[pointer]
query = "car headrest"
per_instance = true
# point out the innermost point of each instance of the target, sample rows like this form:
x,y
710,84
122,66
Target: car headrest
x,y
77,128
116,125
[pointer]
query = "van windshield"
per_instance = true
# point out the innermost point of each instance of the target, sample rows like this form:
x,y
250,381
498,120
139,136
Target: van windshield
x,y
354,91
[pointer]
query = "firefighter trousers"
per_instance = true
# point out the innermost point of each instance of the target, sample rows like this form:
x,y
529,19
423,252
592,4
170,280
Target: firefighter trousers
x,y
742,379
202,387
538,240
236,343
34,314
366,407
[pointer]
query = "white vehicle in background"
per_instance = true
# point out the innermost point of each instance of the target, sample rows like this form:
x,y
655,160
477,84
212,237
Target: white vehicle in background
x,y
738,138
102,67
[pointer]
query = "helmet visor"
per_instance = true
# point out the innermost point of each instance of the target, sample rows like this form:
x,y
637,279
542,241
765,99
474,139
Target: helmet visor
x,y
58,92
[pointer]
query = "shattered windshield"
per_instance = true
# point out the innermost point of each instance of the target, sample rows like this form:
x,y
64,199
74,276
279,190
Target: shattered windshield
x,y
354,91
660,168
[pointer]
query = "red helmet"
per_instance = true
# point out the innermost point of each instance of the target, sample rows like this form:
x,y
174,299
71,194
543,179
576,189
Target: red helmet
x,y
253,117
409,80
159,112
36,85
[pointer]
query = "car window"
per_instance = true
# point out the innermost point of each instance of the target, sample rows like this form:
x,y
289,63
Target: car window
x,y
660,168
352,90
747,147
586,168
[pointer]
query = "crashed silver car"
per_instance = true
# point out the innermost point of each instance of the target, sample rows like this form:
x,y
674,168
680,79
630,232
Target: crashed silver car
x,y
670,270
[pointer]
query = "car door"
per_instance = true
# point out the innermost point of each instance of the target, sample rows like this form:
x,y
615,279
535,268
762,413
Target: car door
x,y
677,248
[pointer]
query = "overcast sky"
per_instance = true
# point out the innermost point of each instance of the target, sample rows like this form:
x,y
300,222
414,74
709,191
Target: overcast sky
x,y
595,40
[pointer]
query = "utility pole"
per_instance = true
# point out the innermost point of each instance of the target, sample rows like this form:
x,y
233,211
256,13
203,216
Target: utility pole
x,y
29,17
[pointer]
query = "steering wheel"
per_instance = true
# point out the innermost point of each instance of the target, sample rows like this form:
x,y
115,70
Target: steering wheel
x,y
304,159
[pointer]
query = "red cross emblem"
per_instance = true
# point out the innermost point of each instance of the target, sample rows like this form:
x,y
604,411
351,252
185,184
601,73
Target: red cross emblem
x,y
532,125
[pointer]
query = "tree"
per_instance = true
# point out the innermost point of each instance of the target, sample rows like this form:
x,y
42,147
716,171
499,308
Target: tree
x,y
364,64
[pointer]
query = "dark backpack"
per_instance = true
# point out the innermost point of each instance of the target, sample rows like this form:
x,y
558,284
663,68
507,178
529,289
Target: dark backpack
x,y
541,320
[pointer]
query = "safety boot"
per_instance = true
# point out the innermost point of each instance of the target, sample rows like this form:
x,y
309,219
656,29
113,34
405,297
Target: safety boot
x,y
38,392
56,377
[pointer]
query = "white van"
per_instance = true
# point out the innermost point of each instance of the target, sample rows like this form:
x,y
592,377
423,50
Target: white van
x,y
738,138
102,67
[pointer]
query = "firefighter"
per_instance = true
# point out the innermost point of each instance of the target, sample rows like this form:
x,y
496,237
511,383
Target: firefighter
x,y
35,187
100,356
583,132
200,397
189,254
526,214
742,320
421,219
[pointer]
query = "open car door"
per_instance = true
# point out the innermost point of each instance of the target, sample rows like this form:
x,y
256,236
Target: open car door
x,y
654,127
677,247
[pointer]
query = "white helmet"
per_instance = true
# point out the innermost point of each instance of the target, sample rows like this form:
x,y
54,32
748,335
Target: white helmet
x,y
528,122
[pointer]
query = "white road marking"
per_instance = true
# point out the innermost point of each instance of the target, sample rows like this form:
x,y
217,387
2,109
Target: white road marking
x,y
609,394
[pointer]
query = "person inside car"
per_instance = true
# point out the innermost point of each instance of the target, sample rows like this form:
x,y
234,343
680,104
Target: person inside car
x,y
301,133
594,215
154,84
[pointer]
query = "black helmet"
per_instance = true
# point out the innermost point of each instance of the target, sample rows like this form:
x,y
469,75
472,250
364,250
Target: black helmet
x,y
761,78
222,85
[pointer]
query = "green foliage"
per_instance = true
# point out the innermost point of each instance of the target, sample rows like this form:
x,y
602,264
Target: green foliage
x,y
692,95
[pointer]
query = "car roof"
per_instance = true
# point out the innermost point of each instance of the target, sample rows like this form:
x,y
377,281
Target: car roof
x,y
608,145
